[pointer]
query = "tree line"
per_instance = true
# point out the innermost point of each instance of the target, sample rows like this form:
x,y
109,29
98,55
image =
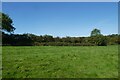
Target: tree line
x,y
95,39
48,40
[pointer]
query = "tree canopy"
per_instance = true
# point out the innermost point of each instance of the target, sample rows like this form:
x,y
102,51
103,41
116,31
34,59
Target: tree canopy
x,y
97,38
95,32
6,23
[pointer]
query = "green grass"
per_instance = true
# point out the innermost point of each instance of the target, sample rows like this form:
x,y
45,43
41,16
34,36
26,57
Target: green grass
x,y
0,62
60,62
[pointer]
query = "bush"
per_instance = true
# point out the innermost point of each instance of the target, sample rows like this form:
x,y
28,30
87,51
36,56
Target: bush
x,y
99,40
62,44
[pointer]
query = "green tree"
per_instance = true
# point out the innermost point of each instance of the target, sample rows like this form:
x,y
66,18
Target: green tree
x,y
6,23
97,38
48,38
95,32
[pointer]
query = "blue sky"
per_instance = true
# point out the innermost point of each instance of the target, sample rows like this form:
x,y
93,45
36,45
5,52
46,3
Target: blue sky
x,y
63,18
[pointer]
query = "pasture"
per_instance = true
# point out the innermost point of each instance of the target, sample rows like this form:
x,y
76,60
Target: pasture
x,y
60,61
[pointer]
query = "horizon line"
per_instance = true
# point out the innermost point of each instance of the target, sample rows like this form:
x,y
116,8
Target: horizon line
x,y
63,36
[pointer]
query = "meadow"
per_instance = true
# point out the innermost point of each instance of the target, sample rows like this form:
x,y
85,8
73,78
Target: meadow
x,y
60,61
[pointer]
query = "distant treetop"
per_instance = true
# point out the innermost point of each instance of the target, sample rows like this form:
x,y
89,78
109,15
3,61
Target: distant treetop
x,y
95,32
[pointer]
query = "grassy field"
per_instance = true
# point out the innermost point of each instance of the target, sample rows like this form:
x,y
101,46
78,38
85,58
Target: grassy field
x,y
60,62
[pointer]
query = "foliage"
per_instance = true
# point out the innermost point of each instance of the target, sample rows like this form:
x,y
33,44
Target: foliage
x,y
7,23
99,40
16,39
95,32
48,40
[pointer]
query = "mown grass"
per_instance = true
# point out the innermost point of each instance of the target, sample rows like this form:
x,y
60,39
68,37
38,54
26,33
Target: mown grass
x,y
60,62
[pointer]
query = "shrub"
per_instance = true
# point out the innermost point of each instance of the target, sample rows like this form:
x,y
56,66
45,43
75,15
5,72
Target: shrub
x,y
99,40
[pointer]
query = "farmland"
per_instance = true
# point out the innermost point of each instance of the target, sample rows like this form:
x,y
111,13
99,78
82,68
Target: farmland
x,y
60,61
